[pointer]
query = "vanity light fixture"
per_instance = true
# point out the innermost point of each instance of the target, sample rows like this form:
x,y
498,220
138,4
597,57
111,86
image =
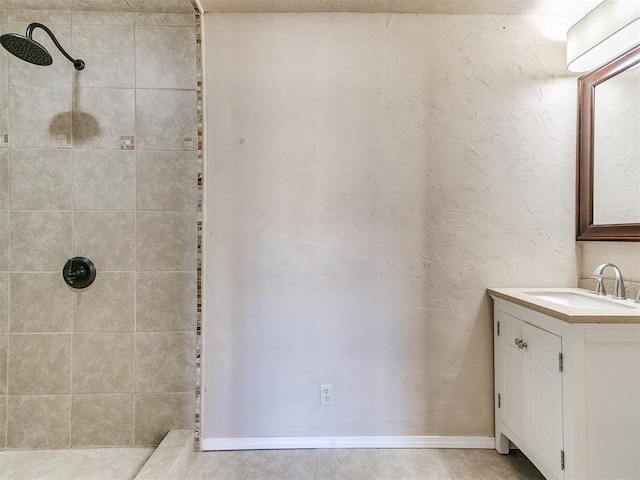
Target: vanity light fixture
x,y
608,30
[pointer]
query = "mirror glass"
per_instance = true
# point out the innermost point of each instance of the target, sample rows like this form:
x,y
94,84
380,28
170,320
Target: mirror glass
x,y
616,154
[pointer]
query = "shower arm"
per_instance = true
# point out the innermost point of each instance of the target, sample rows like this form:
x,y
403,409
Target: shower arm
x,y
77,63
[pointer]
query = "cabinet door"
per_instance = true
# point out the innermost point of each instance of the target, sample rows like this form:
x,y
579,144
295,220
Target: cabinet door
x,y
512,372
543,397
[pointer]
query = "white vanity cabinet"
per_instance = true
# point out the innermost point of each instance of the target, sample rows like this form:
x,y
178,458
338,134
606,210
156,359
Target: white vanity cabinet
x,y
567,393
529,391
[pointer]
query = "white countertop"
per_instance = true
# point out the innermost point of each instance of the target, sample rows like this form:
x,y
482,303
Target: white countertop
x,y
568,314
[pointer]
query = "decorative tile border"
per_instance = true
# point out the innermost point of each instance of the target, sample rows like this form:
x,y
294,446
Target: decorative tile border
x,y
64,140
127,142
199,146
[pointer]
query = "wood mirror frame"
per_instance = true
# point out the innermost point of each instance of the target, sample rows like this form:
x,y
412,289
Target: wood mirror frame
x,y
585,228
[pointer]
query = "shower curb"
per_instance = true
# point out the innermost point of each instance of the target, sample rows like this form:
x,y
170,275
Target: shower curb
x,y
170,458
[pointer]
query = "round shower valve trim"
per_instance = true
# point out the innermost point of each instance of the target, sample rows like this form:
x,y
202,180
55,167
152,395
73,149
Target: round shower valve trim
x,y
79,272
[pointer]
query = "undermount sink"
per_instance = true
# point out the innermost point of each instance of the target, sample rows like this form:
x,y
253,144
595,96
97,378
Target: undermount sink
x,y
575,300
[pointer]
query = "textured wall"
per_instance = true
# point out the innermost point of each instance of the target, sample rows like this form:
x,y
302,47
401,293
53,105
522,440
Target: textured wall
x,y
98,164
369,177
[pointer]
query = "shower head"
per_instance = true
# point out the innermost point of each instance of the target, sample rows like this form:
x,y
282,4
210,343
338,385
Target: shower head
x,y
26,48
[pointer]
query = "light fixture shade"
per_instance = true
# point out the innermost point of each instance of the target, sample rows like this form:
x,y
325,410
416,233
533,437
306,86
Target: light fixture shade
x,y
605,32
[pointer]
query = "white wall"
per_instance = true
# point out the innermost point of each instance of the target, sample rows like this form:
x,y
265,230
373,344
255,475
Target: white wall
x,y
369,175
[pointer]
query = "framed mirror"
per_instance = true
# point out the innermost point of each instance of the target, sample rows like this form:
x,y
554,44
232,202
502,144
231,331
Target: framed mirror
x,y
608,173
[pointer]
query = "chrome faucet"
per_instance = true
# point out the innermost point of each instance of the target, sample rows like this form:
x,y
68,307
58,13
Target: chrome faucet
x,y
618,288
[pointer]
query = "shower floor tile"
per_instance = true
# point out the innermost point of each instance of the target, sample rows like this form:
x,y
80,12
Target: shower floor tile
x,y
76,464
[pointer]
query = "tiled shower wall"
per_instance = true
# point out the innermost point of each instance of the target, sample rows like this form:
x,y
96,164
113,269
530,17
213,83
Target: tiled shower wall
x,y
100,163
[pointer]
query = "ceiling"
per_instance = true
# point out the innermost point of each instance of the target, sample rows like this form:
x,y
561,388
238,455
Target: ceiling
x,y
154,6
468,7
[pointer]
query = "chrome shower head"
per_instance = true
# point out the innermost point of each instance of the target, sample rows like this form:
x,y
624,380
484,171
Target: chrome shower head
x,y
26,48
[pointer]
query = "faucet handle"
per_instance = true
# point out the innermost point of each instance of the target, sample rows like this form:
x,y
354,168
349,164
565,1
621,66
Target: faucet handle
x,y
600,286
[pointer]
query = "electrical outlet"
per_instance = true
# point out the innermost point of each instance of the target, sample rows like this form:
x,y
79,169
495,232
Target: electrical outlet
x,y
326,394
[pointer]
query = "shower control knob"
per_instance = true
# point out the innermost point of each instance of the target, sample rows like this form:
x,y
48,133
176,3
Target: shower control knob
x,y
79,272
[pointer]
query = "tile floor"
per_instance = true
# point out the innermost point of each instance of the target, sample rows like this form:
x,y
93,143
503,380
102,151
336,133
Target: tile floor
x,y
428,464
125,463
76,464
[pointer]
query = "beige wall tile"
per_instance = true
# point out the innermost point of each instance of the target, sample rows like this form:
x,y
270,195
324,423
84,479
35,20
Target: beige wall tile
x,y
107,306
108,49
4,111
40,302
4,240
107,238
166,19
3,56
98,5
157,414
23,16
3,364
165,118
38,116
166,302
165,362
40,421
40,179
166,241
39,364
101,116
4,170
4,80
167,181
168,6
4,302
166,57
25,75
104,180
101,18
3,422
103,363
40,241
40,102
102,420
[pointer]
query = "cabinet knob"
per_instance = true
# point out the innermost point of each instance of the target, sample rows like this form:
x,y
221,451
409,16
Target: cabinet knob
x,y
521,344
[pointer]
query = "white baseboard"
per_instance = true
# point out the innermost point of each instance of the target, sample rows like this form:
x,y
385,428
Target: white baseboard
x,y
276,443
